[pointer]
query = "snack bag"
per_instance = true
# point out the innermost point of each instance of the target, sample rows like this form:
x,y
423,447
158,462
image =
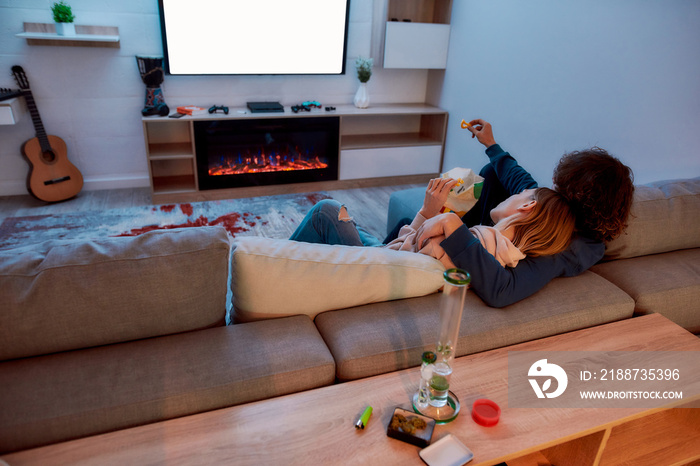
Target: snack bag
x,y
463,196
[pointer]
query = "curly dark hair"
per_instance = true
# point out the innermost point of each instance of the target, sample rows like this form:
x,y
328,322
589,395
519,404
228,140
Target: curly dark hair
x,y
599,189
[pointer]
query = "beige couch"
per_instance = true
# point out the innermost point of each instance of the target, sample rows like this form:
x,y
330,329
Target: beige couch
x,y
103,335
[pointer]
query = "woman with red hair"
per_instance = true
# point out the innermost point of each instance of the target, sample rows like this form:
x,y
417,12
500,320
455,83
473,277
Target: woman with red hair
x,y
596,185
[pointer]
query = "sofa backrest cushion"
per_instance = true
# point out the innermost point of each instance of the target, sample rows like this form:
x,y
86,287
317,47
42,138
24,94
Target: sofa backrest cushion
x,y
63,295
665,217
276,278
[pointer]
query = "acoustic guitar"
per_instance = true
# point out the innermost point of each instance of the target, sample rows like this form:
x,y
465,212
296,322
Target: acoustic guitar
x,y
52,177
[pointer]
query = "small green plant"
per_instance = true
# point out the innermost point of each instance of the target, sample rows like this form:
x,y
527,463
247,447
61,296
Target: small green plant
x,y
364,68
62,13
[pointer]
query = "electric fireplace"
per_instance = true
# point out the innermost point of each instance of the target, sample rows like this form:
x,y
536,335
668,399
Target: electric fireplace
x,y
238,153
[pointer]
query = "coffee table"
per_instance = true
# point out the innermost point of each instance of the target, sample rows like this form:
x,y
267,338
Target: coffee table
x,y
317,426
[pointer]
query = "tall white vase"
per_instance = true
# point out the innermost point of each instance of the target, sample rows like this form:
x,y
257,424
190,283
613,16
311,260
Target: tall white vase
x,y
361,96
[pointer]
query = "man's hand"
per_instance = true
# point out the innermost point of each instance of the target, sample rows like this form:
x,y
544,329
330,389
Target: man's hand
x,y
436,195
440,225
482,131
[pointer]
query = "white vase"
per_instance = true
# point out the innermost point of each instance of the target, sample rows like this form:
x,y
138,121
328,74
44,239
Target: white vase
x,y
65,29
361,99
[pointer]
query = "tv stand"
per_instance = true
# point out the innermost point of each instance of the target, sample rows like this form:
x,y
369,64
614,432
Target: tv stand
x,y
381,145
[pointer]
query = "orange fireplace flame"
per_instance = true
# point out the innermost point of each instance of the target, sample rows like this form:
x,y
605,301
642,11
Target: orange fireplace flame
x,y
262,163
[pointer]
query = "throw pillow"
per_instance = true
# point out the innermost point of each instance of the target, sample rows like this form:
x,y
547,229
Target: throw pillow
x,y
276,278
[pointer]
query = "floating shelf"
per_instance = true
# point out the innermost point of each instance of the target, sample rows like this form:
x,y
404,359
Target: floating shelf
x,y
86,36
11,110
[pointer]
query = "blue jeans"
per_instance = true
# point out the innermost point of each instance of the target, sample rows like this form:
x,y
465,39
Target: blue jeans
x,y
326,224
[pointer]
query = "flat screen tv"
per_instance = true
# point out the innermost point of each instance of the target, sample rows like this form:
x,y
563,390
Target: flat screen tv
x,y
254,37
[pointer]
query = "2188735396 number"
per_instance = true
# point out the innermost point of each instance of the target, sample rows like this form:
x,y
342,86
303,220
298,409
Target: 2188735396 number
x,y
640,374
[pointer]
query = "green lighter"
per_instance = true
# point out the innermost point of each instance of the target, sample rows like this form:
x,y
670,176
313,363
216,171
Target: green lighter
x,y
364,419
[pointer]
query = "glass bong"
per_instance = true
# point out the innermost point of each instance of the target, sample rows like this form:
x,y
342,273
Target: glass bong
x,y
434,398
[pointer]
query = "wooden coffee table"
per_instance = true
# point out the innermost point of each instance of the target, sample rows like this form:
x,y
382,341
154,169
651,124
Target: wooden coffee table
x,y
317,426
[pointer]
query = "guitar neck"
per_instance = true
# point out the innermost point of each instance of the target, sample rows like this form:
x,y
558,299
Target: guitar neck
x,y
36,119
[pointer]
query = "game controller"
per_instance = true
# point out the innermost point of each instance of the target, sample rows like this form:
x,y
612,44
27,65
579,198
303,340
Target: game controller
x,y
306,106
312,103
214,108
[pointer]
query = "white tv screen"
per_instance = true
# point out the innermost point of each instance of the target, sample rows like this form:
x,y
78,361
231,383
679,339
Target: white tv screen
x,y
213,37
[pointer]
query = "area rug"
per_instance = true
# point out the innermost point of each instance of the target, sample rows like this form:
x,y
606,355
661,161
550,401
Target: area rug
x,y
268,216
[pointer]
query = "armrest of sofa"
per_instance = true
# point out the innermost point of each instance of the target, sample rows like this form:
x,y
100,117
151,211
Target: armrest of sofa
x,y
403,204
665,216
66,295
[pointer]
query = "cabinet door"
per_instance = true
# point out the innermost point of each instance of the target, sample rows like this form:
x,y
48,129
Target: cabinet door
x,y
416,45
390,161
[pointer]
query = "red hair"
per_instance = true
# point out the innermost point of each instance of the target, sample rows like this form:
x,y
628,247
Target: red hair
x,y
548,227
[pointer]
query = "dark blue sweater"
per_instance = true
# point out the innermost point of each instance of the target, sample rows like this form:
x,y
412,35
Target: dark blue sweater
x,y
499,286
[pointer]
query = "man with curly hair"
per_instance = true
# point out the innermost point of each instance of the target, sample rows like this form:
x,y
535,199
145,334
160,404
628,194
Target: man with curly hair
x,y
599,190
598,187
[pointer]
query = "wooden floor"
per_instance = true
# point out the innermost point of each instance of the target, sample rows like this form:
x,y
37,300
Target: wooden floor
x,y
368,205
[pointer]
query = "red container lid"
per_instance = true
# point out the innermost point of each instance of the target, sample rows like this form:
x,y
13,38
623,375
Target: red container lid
x,y
486,412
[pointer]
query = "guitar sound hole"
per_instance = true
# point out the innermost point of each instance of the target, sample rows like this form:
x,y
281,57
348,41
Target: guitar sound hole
x,y
48,156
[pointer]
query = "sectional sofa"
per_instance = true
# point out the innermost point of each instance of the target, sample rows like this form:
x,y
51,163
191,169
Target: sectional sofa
x,y
107,334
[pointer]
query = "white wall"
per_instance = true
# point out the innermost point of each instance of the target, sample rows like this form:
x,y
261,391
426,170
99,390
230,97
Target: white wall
x,y
551,76
554,76
92,97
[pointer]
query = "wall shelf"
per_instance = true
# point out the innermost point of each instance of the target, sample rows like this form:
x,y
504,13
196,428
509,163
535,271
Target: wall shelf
x,y
86,36
12,110
411,33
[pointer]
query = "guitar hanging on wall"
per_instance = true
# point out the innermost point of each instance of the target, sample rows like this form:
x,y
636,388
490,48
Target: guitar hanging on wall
x,y
52,177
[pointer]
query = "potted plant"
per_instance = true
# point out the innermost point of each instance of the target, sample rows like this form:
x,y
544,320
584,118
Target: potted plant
x,y
63,16
364,72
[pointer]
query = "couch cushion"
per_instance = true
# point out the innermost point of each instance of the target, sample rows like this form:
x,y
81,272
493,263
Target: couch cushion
x,y
58,397
385,337
665,283
273,278
63,295
665,216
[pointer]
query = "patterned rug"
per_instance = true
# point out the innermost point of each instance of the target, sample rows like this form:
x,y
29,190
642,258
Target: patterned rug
x,y
269,216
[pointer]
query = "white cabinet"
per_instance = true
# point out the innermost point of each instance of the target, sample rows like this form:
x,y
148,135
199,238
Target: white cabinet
x,y
391,140
389,161
411,33
416,45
